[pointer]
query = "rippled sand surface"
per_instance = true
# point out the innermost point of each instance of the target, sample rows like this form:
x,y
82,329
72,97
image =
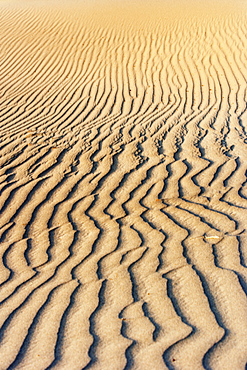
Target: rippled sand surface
x,y
123,202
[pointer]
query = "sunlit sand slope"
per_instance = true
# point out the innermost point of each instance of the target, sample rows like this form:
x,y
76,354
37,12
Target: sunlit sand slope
x,y
123,190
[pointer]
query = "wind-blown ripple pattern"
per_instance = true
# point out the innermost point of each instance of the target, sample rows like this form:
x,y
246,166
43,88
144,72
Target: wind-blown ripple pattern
x,y
123,193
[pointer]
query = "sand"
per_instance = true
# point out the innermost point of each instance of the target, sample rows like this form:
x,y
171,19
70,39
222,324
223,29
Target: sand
x,y
123,202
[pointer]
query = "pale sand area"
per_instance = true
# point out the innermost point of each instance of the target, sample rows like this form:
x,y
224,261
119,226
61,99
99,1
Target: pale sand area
x,y
123,185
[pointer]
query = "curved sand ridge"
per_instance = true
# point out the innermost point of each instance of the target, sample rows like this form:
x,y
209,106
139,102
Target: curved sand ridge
x,y
123,191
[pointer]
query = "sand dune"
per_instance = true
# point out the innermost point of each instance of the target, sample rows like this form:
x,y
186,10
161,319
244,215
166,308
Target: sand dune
x,y
123,186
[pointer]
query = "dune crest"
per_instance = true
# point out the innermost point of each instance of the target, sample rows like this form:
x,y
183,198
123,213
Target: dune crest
x,y
123,187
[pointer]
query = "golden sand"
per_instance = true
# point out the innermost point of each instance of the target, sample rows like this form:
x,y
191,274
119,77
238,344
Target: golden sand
x,y
123,185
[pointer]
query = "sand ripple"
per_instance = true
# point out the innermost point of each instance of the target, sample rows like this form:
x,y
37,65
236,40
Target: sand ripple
x,y
123,192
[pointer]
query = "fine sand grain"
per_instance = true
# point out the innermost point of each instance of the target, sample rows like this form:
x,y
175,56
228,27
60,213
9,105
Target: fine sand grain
x,y
123,202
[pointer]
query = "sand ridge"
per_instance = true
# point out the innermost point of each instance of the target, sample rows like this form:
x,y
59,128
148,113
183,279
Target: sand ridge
x,y
123,188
